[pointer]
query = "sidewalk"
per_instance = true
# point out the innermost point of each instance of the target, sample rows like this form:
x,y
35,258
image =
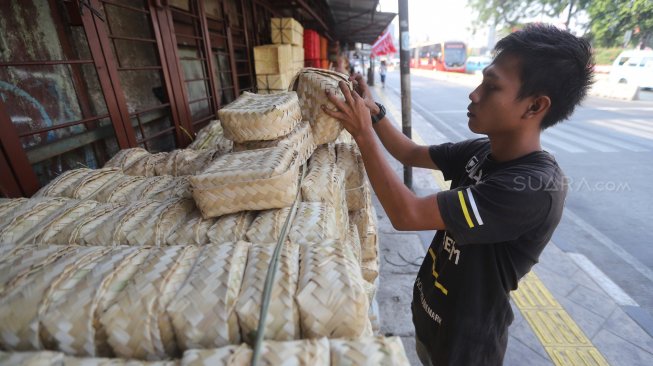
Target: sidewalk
x,y
567,313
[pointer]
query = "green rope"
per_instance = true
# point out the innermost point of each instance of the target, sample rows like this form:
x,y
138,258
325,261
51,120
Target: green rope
x,y
272,269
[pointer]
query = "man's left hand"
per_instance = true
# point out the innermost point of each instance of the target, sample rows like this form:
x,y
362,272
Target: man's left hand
x,y
353,113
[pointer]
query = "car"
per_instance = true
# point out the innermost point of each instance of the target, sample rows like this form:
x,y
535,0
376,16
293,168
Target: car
x,y
633,67
476,64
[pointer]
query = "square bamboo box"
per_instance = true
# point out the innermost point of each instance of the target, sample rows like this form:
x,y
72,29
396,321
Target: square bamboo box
x,y
272,59
286,31
274,81
297,53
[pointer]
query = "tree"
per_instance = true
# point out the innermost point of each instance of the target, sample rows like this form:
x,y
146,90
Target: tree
x,y
510,13
611,19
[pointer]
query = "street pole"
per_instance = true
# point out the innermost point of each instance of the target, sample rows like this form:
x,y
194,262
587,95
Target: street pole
x,y
404,61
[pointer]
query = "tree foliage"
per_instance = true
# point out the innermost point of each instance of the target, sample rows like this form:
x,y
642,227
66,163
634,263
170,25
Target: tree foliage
x,y
611,19
510,13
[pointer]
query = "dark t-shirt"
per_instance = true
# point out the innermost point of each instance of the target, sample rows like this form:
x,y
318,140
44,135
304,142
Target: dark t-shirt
x,y
499,217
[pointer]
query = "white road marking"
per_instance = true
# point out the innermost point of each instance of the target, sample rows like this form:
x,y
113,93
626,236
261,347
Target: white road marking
x,y
609,244
601,279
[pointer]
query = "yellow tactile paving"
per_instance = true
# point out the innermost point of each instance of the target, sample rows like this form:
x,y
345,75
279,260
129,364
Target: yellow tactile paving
x,y
560,336
563,340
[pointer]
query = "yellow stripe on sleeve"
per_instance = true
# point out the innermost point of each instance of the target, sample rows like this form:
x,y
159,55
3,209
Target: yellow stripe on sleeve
x,y
465,211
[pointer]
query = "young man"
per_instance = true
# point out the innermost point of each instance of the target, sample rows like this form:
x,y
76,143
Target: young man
x,y
506,195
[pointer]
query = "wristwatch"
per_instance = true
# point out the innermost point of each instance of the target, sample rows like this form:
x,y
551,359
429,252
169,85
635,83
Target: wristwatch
x,y
379,116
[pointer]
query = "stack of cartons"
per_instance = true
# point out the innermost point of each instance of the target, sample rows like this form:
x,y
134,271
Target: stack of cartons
x,y
273,64
312,49
276,63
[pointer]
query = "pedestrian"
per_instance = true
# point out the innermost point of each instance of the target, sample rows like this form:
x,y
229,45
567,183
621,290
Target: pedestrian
x,y
383,69
506,195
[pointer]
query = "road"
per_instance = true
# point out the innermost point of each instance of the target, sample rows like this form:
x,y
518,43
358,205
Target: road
x,y
605,149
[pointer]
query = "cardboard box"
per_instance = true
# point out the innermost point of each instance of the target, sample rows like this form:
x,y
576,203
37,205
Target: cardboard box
x,y
272,59
274,82
286,31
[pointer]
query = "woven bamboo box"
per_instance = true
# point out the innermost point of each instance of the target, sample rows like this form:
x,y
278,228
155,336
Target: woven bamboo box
x,y
29,217
203,312
194,231
62,183
231,228
311,85
370,270
349,158
137,323
73,322
272,59
286,31
270,91
331,299
21,300
300,140
9,205
367,351
297,54
305,352
247,180
282,321
211,136
314,222
326,183
126,157
277,83
256,117
374,351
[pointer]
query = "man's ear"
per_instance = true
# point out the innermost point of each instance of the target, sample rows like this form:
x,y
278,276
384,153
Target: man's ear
x,y
538,107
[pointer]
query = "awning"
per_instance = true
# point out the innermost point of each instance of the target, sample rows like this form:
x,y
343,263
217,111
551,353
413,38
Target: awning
x,y
358,20
347,21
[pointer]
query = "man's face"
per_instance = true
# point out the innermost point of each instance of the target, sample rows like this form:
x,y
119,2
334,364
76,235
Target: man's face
x,y
495,107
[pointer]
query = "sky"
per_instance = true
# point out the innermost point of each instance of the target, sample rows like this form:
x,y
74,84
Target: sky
x,y
436,19
445,20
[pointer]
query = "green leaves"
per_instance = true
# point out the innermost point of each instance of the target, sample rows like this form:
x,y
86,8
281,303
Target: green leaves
x,y
611,19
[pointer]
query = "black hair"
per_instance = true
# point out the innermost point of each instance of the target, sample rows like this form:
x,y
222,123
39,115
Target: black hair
x,y
554,63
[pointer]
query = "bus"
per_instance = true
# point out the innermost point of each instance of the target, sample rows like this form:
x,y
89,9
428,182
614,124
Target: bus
x,y
441,56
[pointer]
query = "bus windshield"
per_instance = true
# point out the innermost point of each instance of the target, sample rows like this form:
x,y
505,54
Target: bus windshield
x,y
454,55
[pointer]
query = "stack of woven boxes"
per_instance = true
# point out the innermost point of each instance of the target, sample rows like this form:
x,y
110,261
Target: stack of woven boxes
x,y
277,63
143,272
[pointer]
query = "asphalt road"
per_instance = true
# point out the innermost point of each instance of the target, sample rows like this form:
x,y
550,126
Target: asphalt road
x,y
605,149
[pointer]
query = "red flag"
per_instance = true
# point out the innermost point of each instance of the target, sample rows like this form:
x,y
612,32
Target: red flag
x,y
383,45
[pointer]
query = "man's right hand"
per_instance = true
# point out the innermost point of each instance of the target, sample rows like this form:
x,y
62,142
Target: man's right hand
x,y
360,86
